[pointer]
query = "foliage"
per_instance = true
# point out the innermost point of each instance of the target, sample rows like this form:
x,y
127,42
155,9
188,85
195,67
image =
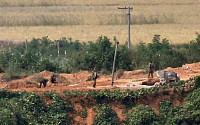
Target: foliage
x,y
29,108
10,112
63,56
197,82
106,116
127,97
83,113
188,114
124,58
69,56
141,115
160,53
99,54
193,50
164,108
193,100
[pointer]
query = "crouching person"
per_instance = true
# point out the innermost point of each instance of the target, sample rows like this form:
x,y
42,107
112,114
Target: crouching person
x,y
42,81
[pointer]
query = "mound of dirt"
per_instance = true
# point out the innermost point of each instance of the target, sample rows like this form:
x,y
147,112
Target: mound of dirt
x,y
17,84
119,73
186,71
32,81
151,81
83,75
78,78
48,75
133,74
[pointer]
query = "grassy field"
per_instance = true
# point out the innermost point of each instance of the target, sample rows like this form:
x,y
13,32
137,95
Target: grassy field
x,y
176,33
86,20
93,2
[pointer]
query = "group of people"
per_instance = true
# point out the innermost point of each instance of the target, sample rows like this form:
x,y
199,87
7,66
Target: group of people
x,y
95,76
150,73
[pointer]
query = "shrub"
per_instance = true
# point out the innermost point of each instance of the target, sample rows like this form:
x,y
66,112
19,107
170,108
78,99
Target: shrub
x,y
83,113
47,65
10,113
141,115
99,54
42,54
28,108
188,114
197,82
193,100
106,116
164,108
193,50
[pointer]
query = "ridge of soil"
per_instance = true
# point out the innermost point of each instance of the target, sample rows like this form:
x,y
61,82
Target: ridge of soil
x,y
81,82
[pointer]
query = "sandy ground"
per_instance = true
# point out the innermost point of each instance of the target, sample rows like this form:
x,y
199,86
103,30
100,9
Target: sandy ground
x,y
79,81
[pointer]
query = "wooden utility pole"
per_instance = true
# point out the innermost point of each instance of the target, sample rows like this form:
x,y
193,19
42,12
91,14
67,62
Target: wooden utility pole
x,y
26,46
65,53
129,21
113,69
58,45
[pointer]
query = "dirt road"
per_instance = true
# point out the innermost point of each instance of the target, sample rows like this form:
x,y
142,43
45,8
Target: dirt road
x,y
78,81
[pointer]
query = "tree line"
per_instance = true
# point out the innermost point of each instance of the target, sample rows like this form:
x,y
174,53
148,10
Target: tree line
x,y
68,56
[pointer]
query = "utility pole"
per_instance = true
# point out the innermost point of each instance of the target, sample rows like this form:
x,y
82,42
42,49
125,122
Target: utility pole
x,y
26,46
58,45
113,69
129,21
65,53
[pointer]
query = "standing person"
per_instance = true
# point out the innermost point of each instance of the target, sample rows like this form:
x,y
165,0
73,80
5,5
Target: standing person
x,y
94,76
151,69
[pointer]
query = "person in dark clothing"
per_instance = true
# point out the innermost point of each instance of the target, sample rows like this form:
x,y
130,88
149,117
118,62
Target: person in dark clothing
x,y
94,76
151,69
53,78
44,82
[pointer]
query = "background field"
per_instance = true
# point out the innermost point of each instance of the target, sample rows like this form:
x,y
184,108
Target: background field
x,y
86,20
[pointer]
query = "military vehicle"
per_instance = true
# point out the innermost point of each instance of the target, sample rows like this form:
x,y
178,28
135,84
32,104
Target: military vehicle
x,y
167,76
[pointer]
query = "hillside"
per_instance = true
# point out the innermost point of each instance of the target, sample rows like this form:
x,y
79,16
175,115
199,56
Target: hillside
x,y
84,104
80,81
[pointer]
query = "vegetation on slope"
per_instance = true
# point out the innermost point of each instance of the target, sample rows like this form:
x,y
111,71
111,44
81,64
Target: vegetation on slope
x,y
29,108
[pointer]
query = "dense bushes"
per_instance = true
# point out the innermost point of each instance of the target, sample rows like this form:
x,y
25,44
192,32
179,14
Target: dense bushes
x,y
160,53
63,56
187,114
69,56
141,115
106,116
28,108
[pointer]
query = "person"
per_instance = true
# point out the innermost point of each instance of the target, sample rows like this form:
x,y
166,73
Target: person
x,y
44,82
94,76
151,69
53,78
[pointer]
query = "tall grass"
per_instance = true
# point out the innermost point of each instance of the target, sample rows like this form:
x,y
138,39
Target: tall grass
x,y
176,33
85,20
101,15
22,3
